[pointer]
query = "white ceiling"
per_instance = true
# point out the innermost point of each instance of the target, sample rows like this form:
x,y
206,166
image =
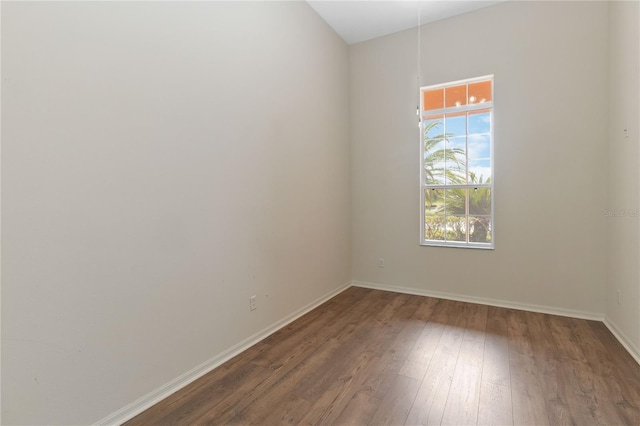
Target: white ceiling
x,y
360,20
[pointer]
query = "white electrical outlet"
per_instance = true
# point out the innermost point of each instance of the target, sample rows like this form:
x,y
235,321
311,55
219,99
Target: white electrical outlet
x,y
381,263
252,303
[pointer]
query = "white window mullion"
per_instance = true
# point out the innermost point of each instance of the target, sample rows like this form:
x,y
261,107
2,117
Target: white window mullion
x,y
436,97
462,108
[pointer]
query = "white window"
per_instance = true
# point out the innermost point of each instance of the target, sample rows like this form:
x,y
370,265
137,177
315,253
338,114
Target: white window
x,y
456,130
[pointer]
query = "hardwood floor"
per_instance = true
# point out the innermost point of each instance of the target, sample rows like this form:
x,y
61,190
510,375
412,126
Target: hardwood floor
x,y
376,357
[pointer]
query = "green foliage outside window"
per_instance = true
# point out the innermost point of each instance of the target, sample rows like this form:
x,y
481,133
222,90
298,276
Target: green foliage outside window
x,y
447,214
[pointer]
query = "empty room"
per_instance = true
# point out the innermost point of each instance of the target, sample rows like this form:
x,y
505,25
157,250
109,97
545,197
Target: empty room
x,y
320,212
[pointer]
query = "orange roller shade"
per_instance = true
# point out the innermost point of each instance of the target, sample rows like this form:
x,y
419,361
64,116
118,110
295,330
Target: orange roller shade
x,y
456,96
433,99
480,111
456,114
480,92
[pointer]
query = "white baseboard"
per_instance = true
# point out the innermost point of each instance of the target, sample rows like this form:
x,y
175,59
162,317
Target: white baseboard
x,y
623,339
484,301
157,395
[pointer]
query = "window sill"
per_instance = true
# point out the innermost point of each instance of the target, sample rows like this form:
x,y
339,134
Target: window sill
x,y
457,245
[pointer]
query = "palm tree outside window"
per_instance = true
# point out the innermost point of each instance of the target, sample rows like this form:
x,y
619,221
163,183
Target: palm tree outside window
x,y
456,122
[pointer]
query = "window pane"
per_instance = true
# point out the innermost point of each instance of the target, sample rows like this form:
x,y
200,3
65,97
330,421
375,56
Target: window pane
x,y
434,150
456,228
480,92
457,164
434,228
456,96
479,121
434,214
456,160
479,147
433,99
433,126
455,125
434,173
455,201
479,171
480,229
433,202
434,163
480,201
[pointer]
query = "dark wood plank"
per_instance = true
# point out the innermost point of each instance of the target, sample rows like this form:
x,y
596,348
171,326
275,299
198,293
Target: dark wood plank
x,y
403,332
621,370
397,401
212,393
358,410
375,357
429,404
554,372
611,399
253,410
398,333
580,393
290,411
236,377
337,395
464,396
294,364
495,367
527,396
495,389
418,360
494,407
476,322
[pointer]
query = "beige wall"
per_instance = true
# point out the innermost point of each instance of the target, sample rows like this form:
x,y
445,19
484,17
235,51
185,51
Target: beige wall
x,y
623,190
162,162
550,65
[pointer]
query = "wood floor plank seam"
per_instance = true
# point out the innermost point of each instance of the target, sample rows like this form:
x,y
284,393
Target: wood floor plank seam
x,y
460,318
377,357
430,359
484,348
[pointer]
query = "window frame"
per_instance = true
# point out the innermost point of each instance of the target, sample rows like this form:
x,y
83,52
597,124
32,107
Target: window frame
x,y
423,186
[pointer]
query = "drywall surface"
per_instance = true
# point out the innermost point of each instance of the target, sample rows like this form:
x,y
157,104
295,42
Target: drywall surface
x,y
623,190
162,162
549,60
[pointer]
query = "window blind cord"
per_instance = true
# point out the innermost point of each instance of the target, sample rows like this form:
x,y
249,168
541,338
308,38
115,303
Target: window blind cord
x,y
419,58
